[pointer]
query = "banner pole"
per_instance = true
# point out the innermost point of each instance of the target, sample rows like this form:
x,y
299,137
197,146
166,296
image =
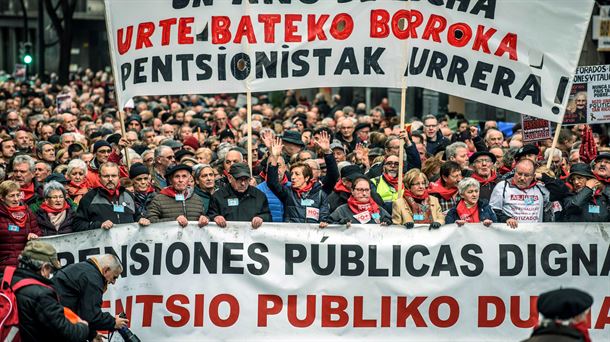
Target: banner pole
x,y
401,152
121,113
249,111
555,139
198,136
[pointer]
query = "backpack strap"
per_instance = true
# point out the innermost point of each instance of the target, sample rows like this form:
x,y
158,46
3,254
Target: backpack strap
x,y
8,277
27,282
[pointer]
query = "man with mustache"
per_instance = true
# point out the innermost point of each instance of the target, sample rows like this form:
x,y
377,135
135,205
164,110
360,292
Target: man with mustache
x,y
601,168
108,204
387,183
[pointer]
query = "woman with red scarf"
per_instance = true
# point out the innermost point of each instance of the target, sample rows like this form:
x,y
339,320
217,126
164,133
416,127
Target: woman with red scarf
x,y
416,206
471,209
55,215
360,207
304,200
76,174
17,224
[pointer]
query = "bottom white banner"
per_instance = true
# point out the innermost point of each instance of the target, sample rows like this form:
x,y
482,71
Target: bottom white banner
x,y
299,282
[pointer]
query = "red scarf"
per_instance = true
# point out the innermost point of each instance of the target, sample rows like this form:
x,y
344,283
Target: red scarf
x,y
340,187
304,189
485,181
263,175
393,181
419,207
533,184
439,188
111,193
50,210
77,189
605,181
28,192
357,207
19,214
169,192
504,170
470,215
408,193
583,329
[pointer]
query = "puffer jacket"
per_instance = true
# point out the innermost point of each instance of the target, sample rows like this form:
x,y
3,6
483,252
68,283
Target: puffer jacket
x,y
12,242
581,207
343,214
97,206
275,205
142,200
164,208
47,228
295,207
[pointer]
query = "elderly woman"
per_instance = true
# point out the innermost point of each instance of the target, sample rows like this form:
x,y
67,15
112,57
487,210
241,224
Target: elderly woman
x,y
360,207
17,222
416,206
76,174
590,199
55,215
205,185
304,200
471,209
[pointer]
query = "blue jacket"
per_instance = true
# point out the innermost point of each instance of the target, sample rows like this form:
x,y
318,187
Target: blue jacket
x,y
485,212
275,205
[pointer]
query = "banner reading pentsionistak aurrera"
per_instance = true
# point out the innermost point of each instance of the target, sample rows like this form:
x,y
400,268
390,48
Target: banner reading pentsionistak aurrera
x,y
515,54
299,282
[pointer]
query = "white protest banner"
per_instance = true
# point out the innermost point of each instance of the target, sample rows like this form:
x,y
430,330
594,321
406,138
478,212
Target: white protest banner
x,y
535,129
589,100
514,54
298,282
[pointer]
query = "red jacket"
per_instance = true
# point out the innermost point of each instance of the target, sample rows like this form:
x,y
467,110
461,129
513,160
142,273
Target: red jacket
x,y
12,243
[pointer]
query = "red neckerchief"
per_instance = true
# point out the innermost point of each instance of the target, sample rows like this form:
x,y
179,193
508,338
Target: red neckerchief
x,y
340,187
357,207
596,195
470,215
582,328
304,189
149,189
263,175
110,193
565,172
408,193
393,181
504,170
485,181
50,210
19,215
439,188
169,192
77,189
28,192
606,181
533,184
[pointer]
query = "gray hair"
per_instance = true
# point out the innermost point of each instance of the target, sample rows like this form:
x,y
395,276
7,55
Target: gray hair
x,y
53,186
555,152
198,168
144,131
25,159
467,183
451,150
111,261
63,136
41,144
160,150
76,164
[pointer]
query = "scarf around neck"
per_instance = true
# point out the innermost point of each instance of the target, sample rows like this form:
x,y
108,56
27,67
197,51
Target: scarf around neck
x,y
47,208
393,181
28,192
18,214
470,215
485,181
439,188
304,189
358,207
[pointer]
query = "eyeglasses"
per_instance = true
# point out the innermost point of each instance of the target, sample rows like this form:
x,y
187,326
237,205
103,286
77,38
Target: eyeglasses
x,y
362,189
483,161
419,184
392,163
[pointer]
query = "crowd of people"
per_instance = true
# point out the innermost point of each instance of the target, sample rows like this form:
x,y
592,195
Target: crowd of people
x,y
184,158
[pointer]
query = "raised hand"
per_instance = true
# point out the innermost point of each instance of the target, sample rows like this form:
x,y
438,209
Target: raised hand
x,y
362,153
267,138
323,142
276,147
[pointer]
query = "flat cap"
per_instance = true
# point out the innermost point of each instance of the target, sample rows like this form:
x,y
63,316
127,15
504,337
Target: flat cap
x,y
564,303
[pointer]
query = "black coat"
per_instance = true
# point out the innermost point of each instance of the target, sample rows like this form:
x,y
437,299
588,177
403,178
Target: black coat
x,y
81,287
343,214
41,316
44,223
96,207
576,206
294,207
552,332
234,206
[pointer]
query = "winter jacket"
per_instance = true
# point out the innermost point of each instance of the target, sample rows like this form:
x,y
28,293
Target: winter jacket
x,y
275,205
386,191
485,213
402,213
553,332
433,147
580,207
412,161
234,206
343,214
96,207
508,201
47,228
205,197
12,242
80,287
332,174
142,200
164,208
295,207
41,316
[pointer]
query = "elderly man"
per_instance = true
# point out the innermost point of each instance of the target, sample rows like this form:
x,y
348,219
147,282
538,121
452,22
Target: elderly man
x,y
601,168
41,171
107,204
164,158
41,316
177,202
346,134
45,151
293,143
23,141
494,138
458,152
522,199
387,183
68,124
238,201
232,157
483,171
23,174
